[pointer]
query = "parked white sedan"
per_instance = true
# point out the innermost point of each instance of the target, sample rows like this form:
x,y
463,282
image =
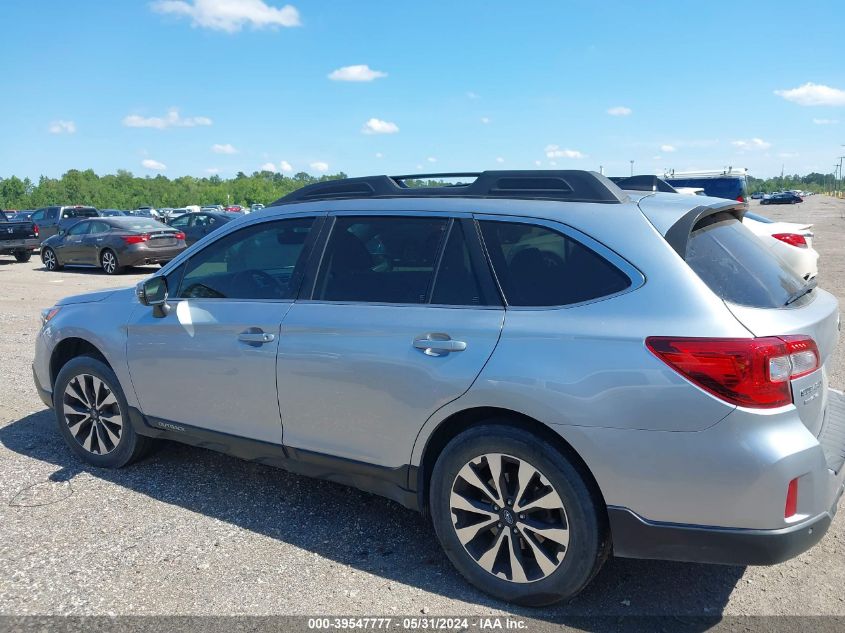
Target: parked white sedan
x,y
792,241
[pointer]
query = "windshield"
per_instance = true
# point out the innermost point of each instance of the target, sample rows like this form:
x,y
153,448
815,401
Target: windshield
x,y
738,267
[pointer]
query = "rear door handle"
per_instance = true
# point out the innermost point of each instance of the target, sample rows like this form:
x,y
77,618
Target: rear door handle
x,y
438,344
256,338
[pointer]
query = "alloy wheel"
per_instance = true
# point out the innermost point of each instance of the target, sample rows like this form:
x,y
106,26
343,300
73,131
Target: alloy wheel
x,y
509,518
92,413
109,262
49,259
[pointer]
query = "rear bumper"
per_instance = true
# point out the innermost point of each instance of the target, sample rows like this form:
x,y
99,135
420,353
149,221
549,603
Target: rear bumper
x,y
11,246
634,537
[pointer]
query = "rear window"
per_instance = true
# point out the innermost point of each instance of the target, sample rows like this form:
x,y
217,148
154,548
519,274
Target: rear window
x,y
537,266
738,267
84,212
139,224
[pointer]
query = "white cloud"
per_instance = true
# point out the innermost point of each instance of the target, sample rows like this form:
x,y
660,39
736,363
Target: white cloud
x,y
285,166
212,170
825,121
754,143
268,167
471,95
358,72
319,166
224,148
229,15
431,159
811,94
485,120
554,151
788,155
62,127
379,155
499,159
658,157
538,163
553,163
377,126
668,149
619,111
171,119
155,165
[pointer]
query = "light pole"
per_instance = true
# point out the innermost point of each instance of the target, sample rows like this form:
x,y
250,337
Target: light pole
x,y
632,168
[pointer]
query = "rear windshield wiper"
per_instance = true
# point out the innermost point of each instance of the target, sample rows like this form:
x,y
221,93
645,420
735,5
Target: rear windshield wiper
x,y
805,289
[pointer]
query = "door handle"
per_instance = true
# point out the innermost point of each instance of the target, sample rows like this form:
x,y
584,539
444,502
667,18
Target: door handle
x,y
438,344
256,338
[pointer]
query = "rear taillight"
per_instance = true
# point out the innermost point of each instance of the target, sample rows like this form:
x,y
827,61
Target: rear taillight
x,y
740,198
791,508
751,372
36,230
179,235
793,239
135,239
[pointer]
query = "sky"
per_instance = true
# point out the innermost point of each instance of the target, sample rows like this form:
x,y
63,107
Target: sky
x,y
200,87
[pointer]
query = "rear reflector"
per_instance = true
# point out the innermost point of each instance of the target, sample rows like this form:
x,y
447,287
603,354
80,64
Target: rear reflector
x,y
752,372
793,239
791,508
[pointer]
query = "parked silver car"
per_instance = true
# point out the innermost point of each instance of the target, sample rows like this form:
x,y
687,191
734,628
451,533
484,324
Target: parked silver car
x,y
552,369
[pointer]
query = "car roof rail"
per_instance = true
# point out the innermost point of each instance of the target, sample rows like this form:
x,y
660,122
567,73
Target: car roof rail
x,y
643,182
561,185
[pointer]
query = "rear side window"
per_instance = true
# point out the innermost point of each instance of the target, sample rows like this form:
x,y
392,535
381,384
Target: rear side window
x,y
457,282
381,259
737,266
537,266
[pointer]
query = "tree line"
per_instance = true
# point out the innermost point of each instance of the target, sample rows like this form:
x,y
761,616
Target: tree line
x,y
123,190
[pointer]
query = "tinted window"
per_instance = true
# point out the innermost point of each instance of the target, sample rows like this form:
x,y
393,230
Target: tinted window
x,y
100,227
52,213
537,266
263,261
181,222
457,281
380,259
38,216
80,229
737,266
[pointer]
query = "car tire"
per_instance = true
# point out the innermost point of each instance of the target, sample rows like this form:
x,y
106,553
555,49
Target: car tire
x,y
50,259
515,565
93,416
23,256
109,262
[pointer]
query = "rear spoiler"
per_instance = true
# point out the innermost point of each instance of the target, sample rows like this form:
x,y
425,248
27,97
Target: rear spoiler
x,y
678,234
675,216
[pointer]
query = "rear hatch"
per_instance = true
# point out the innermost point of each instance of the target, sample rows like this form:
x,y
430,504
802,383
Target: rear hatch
x,y
759,289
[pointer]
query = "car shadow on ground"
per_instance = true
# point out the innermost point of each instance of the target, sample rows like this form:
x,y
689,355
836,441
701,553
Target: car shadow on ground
x,y
372,534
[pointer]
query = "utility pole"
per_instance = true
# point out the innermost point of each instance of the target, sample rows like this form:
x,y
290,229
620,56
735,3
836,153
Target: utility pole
x,y
840,170
632,168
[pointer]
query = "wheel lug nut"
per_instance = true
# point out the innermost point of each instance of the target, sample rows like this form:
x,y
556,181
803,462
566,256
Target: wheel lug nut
x,y
496,508
521,516
500,525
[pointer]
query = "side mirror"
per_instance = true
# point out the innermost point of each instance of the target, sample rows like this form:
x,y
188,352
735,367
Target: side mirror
x,y
61,232
153,292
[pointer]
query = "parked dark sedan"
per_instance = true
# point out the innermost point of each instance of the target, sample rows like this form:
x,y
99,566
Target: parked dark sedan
x,y
197,225
782,198
112,244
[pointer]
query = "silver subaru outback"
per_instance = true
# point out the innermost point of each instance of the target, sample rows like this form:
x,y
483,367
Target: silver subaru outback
x,y
553,369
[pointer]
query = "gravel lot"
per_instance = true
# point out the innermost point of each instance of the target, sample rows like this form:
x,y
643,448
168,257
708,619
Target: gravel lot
x,y
189,531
